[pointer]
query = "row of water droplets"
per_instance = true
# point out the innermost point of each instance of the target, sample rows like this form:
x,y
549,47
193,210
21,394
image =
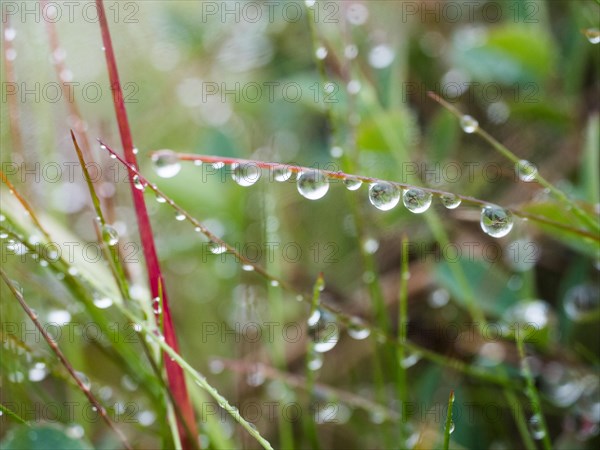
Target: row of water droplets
x,y
314,184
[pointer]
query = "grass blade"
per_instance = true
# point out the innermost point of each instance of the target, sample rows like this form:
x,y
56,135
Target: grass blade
x,y
449,425
175,375
65,362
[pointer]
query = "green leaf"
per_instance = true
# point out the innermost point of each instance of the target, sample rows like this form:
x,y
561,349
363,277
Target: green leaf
x,y
591,161
44,437
556,213
489,286
511,54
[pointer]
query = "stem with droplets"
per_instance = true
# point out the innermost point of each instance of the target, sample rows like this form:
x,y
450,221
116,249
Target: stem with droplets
x,y
338,175
504,151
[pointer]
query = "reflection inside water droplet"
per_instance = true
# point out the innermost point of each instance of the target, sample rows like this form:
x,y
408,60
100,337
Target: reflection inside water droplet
x,y
416,200
312,184
384,195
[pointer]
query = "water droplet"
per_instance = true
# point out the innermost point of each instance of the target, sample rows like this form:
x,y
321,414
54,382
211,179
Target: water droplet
x,y
536,313
526,171
351,51
166,163
216,366
450,201
38,372
582,301
357,13
135,150
321,53
10,34
336,151
84,380
282,174
16,377
536,428
381,56
179,216
495,221
217,248
562,384
103,302
11,54
593,35
245,174
438,298
370,245
160,199
323,330
410,359
357,329
129,383
352,184
353,87
469,124
156,306
315,361
383,195
248,267
138,184
59,317
197,162
256,376
377,416
416,200
312,185
146,418
110,235
310,3
218,165
451,428
75,431
274,283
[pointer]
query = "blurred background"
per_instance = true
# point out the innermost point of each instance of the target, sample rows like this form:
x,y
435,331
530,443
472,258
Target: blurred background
x,y
335,85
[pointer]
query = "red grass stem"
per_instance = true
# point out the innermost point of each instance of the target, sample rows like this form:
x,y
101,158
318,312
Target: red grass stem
x,y
175,375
